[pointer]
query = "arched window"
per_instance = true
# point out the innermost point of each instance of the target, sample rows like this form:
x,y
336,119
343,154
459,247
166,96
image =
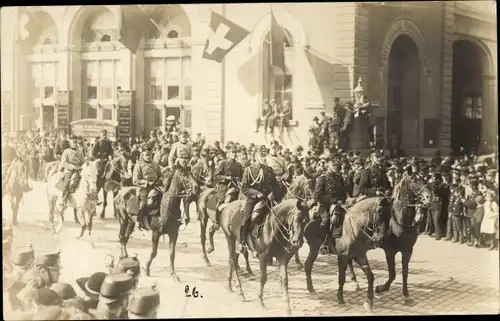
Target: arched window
x,y
101,27
278,85
172,34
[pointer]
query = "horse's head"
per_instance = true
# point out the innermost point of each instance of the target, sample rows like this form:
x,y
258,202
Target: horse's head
x,y
422,191
302,188
90,176
296,221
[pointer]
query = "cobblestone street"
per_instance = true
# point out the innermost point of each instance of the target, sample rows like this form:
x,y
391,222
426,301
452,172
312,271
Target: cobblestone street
x,y
444,278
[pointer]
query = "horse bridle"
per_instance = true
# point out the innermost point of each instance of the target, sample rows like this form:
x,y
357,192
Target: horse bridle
x,y
417,205
282,229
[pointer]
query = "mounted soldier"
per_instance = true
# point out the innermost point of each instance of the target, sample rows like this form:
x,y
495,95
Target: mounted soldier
x,y
147,175
330,194
257,184
278,165
228,176
71,163
372,180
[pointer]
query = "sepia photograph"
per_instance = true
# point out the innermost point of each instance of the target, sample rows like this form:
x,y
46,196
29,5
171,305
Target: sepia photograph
x,y
218,160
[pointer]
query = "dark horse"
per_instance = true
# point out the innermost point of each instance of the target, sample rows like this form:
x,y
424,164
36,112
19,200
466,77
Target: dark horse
x,y
279,235
110,175
203,174
13,186
301,189
410,193
163,218
366,226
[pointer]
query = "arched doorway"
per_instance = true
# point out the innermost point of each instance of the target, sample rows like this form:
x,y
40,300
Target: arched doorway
x,y
168,78
467,96
403,100
42,72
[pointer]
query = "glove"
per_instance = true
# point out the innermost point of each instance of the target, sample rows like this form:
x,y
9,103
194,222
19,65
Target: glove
x,y
260,196
229,177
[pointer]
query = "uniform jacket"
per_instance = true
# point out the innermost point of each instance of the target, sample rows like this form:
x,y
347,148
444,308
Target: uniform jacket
x,y
251,184
102,149
278,164
144,173
71,159
180,150
456,206
330,189
361,181
228,167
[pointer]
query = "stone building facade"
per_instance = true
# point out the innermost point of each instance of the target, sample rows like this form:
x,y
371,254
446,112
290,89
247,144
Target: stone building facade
x,y
430,66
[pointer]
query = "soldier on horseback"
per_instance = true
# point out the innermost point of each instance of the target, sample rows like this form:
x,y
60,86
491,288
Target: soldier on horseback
x,y
103,149
71,163
277,164
372,180
330,193
228,175
257,184
147,176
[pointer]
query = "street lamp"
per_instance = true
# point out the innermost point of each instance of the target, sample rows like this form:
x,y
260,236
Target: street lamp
x,y
360,106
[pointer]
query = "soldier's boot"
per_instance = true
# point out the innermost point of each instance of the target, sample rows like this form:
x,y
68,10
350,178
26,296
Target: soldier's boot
x,y
244,231
449,229
141,214
217,212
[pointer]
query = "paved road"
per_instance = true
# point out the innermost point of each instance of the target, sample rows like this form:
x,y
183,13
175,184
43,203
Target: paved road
x,y
445,278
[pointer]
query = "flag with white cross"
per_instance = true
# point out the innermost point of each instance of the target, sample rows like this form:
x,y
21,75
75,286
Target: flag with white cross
x,y
223,36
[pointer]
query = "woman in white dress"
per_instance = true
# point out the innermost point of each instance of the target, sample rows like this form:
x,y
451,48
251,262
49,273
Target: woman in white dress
x,y
490,219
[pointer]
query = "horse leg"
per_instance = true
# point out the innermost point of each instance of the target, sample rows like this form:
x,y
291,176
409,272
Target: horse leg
x,y
121,234
75,216
263,278
89,217
283,262
83,223
365,266
104,203
232,252
237,261
171,250
353,276
129,228
211,233
390,258
405,258
343,261
297,261
231,266
14,205
155,239
203,235
314,246
247,264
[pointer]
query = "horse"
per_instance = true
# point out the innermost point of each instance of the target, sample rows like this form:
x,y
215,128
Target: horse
x,y
203,174
410,193
162,219
17,177
83,200
359,235
279,235
49,169
110,175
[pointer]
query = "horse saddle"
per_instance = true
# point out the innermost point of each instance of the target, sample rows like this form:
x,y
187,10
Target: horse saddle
x,y
230,194
337,216
154,198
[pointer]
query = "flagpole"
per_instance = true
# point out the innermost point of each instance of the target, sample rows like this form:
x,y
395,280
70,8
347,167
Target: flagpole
x,y
151,19
223,89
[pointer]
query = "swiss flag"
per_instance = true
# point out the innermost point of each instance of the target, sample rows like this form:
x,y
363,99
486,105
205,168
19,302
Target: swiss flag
x,y
223,37
28,26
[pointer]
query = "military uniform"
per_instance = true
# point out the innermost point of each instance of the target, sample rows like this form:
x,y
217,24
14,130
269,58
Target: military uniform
x,y
72,160
23,260
227,175
330,190
257,183
146,175
102,149
373,180
180,150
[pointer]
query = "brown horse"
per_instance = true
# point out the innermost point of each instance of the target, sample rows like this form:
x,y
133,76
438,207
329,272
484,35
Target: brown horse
x,y
164,216
409,194
110,175
301,189
359,235
16,177
203,173
279,235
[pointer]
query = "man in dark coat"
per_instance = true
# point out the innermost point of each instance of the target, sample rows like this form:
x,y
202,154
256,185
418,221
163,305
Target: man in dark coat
x,y
227,175
102,148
